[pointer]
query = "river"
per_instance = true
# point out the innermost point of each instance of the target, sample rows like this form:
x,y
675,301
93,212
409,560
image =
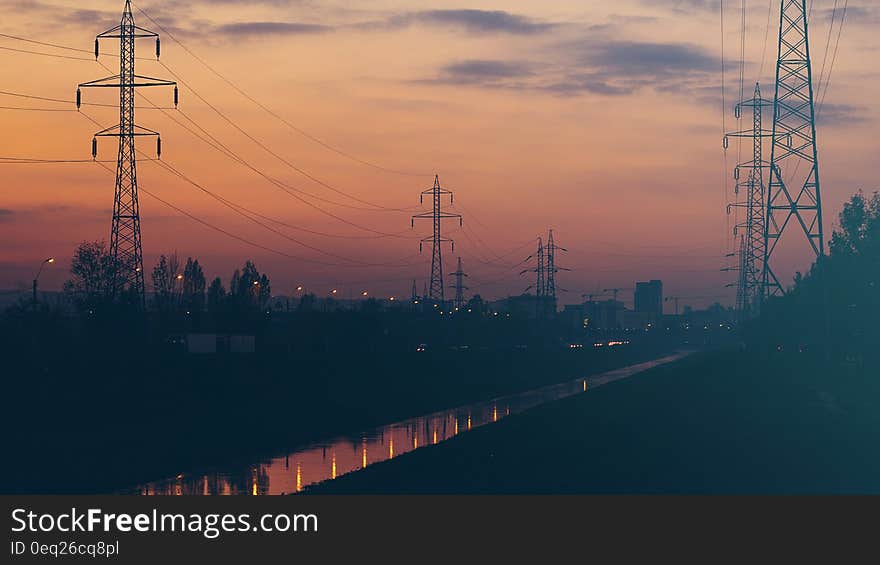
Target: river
x,y
293,472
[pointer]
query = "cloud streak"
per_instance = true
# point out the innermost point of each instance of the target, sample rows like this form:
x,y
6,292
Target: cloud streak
x,y
256,29
608,68
470,21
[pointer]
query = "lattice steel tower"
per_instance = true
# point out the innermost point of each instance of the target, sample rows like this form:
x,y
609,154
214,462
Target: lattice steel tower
x,y
436,290
125,235
540,285
752,244
793,191
459,286
552,269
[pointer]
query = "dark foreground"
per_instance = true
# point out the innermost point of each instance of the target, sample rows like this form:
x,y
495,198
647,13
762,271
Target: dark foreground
x,y
718,422
82,423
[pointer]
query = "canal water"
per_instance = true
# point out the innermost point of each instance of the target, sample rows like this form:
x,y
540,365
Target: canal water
x,y
318,462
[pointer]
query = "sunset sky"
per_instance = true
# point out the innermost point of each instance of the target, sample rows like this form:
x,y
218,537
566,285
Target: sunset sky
x,y
600,120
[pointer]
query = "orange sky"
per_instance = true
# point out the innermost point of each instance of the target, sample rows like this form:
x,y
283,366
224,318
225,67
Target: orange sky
x,y
599,120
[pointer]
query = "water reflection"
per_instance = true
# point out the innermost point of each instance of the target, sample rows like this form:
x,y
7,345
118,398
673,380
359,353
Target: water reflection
x,y
347,455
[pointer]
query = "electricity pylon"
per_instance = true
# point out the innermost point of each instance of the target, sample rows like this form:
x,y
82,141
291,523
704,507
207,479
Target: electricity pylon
x,y
459,286
414,298
752,245
552,269
437,291
125,234
540,285
744,300
793,191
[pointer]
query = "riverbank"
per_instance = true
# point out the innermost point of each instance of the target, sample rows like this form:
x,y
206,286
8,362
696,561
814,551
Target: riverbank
x,y
722,422
77,427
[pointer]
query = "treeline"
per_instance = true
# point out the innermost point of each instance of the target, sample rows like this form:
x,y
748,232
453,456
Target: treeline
x,y
835,307
178,295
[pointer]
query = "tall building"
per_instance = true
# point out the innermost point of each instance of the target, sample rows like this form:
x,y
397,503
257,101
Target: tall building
x,y
649,297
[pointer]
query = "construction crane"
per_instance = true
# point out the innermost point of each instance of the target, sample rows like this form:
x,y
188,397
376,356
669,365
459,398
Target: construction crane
x,y
616,291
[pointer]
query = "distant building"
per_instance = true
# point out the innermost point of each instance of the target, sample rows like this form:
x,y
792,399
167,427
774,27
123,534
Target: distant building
x,y
638,320
649,298
604,315
523,306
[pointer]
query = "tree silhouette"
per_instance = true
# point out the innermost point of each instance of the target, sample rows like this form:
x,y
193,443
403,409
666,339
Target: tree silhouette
x,y
96,277
834,306
216,295
193,291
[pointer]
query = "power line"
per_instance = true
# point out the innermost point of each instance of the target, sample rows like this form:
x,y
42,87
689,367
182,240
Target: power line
x,y
229,233
65,47
244,212
291,191
56,55
374,207
222,148
833,58
36,161
25,109
766,38
827,45
280,158
229,153
62,101
269,111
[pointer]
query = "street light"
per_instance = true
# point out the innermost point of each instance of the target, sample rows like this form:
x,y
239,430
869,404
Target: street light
x,y
364,293
45,262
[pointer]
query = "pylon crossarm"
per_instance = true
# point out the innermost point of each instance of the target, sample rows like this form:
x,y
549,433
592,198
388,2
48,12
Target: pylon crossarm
x,y
157,81
116,33
763,164
138,132
106,35
100,82
750,134
436,190
121,84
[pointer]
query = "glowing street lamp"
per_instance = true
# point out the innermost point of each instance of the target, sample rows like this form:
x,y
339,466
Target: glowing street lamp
x,y
45,262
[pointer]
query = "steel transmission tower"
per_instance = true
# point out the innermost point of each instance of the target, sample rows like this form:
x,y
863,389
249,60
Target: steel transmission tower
x,y
793,191
437,291
552,269
540,285
752,244
459,286
743,298
125,235
540,282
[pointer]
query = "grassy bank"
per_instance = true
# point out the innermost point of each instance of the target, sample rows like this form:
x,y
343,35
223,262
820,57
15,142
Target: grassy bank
x,y
723,422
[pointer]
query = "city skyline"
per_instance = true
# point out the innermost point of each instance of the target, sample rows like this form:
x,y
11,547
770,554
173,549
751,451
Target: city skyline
x,y
580,120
